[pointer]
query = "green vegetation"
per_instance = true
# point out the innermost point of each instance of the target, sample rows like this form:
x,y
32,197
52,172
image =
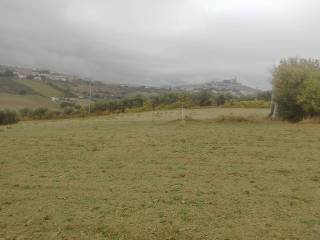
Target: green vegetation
x,y
310,96
43,113
35,93
296,84
149,176
6,74
33,106
41,88
13,101
8,117
248,104
9,86
173,100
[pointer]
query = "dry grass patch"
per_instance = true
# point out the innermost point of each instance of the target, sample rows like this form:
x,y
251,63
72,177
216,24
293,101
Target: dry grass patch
x,y
238,119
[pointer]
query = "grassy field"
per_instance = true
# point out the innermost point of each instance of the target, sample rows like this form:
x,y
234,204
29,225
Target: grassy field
x,y
12,101
148,176
10,86
41,88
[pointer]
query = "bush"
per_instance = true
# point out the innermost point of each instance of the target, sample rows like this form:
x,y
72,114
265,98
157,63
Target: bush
x,y
39,113
26,112
52,115
22,92
221,100
8,117
68,110
67,104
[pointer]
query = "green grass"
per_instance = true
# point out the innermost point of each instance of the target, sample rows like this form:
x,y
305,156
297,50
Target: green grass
x,y
11,86
41,88
17,102
147,176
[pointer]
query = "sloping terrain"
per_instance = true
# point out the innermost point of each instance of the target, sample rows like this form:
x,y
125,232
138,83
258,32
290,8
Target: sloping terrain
x,y
13,101
17,94
226,86
41,88
11,86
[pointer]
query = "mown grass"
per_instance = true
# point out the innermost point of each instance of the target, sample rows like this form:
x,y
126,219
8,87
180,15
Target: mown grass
x,y
10,86
17,102
41,88
145,176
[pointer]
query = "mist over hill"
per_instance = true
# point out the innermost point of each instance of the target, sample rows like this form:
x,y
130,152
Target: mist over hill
x,y
79,86
158,43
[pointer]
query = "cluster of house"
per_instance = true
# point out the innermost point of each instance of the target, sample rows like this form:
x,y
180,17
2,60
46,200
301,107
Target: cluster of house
x,y
61,99
27,73
230,86
40,75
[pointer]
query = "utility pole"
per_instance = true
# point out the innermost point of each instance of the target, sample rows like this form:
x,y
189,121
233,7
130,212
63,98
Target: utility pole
x,y
182,98
90,95
182,112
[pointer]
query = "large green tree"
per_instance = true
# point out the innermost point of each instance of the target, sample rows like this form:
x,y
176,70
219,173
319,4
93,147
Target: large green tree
x,y
293,80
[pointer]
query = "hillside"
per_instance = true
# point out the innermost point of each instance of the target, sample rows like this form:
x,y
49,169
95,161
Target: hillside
x,y
17,94
41,88
80,87
232,87
14,101
10,86
58,87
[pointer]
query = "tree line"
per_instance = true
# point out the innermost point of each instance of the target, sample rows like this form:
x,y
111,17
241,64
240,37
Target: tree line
x,y
170,100
179,99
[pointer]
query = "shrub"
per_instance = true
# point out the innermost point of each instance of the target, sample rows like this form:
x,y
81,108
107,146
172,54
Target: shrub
x,y
23,92
8,117
221,100
26,112
52,114
67,104
40,113
68,110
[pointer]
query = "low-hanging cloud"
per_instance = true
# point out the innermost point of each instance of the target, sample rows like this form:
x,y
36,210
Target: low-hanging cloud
x,y
159,42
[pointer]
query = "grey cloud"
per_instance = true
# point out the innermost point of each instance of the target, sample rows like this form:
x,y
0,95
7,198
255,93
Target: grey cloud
x,y
159,42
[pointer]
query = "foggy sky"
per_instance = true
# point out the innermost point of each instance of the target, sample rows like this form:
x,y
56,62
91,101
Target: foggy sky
x,y
158,42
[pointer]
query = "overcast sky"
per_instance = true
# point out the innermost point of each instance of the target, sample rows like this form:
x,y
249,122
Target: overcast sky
x,y
156,42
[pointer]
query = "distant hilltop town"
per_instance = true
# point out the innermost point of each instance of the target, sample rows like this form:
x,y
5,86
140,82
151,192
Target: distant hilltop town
x,y
37,74
231,86
100,90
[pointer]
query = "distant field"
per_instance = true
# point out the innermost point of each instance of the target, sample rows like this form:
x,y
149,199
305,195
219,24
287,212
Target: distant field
x,y
41,88
11,86
24,101
147,176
